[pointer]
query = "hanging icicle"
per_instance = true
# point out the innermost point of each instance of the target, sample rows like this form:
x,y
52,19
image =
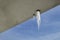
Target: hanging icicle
x,y
38,18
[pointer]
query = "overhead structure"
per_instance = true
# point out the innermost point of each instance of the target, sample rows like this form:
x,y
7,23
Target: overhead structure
x,y
13,12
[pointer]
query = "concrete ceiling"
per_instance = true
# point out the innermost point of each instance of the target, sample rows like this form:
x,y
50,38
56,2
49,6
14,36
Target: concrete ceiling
x,y
13,12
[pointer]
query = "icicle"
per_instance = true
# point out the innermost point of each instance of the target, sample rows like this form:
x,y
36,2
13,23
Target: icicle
x,y
38,18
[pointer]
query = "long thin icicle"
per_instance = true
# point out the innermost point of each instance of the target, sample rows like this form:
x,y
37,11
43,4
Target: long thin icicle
x,y
38,17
